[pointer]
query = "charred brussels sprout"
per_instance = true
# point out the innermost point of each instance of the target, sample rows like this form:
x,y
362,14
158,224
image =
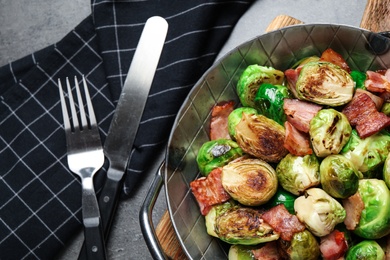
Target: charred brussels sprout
x,y
250,80
303,246
325,83
368,154
319,211
329,132
235,224
217,153
366,249
261,137
269,101
339,178
251,182
298,173
235,117
375,218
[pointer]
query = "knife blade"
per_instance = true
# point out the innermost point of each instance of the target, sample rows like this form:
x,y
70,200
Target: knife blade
x,y
127,116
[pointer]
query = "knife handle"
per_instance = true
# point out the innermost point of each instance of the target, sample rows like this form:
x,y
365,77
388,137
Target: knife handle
x,y
94,244
108,203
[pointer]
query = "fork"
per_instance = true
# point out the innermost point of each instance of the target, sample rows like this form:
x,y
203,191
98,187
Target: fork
x,y
85,157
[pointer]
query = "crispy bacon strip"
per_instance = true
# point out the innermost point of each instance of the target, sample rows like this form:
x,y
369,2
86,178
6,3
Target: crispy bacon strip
x,y
283,222
333,246
330,55
219,120
377,100
208,191
296,142
377,82
299,113
353,206
362,113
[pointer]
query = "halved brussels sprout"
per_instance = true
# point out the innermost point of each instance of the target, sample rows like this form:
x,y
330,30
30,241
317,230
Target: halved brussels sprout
x,y
298,173
339,178
375,218
319,211
235,224
325,83
269,101
252,77
329,132
303,246
261,137
245,252
251,182
368,154
217,153
235,117
366,249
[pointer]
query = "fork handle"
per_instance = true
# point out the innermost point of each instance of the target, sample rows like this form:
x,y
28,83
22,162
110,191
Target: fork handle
x,y
94,243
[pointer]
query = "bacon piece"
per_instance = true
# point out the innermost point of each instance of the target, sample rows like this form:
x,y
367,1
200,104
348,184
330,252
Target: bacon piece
x,y
219,120
299,113
377,100
333,246
268,252
296,142
353,206
208,191
376,82
330,55
292,77
362,113
283,222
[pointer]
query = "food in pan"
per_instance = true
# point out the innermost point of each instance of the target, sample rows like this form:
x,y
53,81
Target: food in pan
x,y
304,169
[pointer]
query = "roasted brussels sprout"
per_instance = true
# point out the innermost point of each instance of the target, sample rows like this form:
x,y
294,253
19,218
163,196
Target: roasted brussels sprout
x,y
375,218
235,224
319,211
366,249
235,117
329,132
251,182
386,172
283,197
339,178
250,80
217,153
368,154
359,78
261,137
298,173
386,108
303,246
269,101
325,83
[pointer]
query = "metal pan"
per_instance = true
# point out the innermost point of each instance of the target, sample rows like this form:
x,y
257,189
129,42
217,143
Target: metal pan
x,y
362,49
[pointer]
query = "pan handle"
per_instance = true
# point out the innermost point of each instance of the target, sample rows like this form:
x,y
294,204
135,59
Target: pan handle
x,y
145,217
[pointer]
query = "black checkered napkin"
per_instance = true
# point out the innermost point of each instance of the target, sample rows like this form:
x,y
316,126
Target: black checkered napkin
x,y
40,205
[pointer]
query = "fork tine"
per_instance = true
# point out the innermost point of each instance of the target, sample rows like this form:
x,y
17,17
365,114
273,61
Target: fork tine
x,y
81,104
63,107
91,113
72,106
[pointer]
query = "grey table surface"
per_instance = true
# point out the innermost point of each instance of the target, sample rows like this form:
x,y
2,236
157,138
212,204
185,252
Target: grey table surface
x,y
27,26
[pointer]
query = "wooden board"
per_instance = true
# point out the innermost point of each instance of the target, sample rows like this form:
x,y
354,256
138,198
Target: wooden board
x,y
375,18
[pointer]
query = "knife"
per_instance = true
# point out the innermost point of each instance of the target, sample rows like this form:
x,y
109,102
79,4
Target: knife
x,y
127,116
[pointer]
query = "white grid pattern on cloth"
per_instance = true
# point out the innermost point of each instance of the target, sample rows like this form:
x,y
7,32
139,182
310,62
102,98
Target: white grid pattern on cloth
x,y
40,199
